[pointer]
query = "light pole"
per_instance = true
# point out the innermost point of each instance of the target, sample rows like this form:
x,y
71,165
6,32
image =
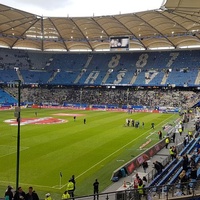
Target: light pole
x,y
17,113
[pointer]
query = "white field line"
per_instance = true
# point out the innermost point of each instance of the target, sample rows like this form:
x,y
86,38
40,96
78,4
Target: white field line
x,y
150,134
26,184
7,154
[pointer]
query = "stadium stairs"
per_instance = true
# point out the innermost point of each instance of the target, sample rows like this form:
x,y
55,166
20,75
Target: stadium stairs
x,y
5,98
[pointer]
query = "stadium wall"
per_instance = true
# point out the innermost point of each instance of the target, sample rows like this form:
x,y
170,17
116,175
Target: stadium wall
x,y
135,163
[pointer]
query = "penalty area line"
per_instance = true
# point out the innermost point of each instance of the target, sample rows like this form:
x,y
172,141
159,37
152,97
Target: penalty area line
x,y
57,187
7,154
26,184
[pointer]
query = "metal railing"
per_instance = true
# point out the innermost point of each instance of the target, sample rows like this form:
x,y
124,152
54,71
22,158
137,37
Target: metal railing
x,y
165,192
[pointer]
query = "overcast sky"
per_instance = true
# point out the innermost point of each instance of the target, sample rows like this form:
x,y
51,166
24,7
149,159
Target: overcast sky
x,y
73,8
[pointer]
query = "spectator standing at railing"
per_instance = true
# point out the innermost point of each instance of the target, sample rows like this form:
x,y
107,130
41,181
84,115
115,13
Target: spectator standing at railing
x,y
193,174
31,195
192,162
183,180
96,189
174,151
157,167
9,193
140,189
144,179
186,140
20,194
136,181
185,162
161,165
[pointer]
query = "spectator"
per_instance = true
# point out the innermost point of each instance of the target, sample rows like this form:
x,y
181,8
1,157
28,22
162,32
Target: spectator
x,y
96,189
157,167
145,183
174,151
193,174
192,162
173,137
183,180
185,163
136,181
31,195
161,165
144,179
20,194
186,140
9,193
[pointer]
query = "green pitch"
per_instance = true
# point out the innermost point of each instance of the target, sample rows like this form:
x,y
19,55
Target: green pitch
x,y
89,151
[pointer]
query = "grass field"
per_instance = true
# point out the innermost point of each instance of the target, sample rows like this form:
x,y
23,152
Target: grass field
x,y
89,151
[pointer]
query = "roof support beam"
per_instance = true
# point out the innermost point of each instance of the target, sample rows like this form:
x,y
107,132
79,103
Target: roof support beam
x,y
59,34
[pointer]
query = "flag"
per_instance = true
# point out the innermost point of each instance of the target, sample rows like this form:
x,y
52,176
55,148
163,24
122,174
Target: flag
x,y
60,174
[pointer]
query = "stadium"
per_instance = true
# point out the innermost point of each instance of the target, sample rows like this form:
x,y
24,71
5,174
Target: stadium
x,y
87,97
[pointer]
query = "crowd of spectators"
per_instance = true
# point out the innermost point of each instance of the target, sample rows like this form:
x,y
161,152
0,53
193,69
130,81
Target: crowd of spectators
x,y
119,97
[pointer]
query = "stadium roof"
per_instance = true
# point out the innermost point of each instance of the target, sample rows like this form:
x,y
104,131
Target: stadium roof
x,y
175,25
